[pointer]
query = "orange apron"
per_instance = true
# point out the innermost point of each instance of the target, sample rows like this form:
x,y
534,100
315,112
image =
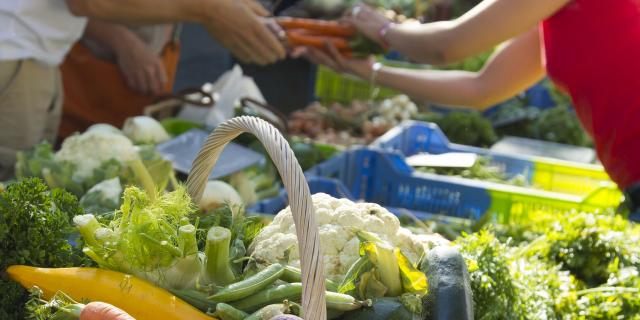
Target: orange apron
x,y
96,92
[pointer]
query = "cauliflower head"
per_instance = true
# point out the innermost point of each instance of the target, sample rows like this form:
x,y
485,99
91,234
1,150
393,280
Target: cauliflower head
x,y
338,221
89,150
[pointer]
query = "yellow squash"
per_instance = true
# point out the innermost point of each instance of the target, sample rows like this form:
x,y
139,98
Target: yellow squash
x,y
139,298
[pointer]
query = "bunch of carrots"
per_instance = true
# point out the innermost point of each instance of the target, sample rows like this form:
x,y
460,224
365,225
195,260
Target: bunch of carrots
x,y
318,33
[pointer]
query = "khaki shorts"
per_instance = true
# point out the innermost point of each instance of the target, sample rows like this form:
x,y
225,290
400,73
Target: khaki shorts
x,y
30,108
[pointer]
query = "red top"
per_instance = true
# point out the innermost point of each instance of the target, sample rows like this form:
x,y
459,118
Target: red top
x,y
592,50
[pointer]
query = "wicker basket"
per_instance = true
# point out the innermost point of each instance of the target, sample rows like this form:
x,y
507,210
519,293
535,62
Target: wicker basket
x,y
313,292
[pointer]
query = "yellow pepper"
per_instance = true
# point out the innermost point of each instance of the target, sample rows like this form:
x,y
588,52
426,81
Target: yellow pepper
x,y
139,298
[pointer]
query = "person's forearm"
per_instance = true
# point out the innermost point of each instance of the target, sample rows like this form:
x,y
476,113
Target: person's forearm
x,y
111,37
488,24
452,88
144,11
427,43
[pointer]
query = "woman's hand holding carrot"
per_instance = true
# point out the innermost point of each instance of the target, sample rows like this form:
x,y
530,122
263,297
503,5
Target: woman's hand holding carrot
x,y
332,58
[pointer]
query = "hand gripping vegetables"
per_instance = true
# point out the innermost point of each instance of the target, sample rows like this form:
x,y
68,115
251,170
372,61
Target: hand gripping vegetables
x,y
139,298
317,33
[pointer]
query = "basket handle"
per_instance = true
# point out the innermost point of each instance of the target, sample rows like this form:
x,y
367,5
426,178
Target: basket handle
x,y
313,290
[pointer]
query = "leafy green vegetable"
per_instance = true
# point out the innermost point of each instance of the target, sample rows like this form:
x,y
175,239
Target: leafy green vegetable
x,y
150,238
556,266
495,294
34,228
59,307
468,128
561,125
176,126
310,153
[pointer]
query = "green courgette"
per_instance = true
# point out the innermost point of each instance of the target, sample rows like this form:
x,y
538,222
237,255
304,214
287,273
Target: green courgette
x,y
449,295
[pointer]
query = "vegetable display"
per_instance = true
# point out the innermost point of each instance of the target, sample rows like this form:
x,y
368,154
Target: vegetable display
x,y
87,164
358,123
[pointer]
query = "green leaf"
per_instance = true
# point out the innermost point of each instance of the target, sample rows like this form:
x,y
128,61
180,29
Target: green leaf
x,y
359,267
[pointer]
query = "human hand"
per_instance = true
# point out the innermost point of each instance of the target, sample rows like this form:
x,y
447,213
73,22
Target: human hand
x,y
335,60
242,28
368,21
142,69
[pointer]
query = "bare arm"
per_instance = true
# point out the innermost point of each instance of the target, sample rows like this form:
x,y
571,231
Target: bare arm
x,y
486,25
237,24
513,68
141,68
144,11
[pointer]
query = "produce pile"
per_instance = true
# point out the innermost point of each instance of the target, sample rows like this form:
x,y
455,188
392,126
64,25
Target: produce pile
x,y
225,264
358,123
550,265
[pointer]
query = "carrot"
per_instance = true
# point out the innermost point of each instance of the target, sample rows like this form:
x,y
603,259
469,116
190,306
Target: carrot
x,y
301,38
324,27
103,311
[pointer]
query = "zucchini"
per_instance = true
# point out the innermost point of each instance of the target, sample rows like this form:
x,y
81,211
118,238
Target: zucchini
x,y
449,294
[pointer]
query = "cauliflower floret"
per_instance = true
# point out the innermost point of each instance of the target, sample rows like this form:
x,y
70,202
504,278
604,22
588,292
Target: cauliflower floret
x,y
338,222
91,149
143,130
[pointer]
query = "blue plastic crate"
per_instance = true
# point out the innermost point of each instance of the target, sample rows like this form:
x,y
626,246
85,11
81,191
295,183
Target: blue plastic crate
x,y
413,137
373,175
330,186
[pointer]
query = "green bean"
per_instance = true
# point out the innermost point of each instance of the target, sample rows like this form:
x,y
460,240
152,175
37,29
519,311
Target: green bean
x,y
293,274
227,312
249,286
289,291
293,292
195,298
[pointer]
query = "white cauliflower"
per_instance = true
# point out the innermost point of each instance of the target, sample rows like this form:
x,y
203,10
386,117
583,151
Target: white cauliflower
x,y
145,130
338,221
89,150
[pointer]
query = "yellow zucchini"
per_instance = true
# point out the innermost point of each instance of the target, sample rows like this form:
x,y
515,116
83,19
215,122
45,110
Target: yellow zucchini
x,y
139,298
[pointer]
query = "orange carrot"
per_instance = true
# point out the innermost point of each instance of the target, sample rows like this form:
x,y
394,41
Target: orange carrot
x,y
324,27
103,311
298,38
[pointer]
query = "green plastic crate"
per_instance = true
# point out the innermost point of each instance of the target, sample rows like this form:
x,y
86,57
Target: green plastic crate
x,y
334,87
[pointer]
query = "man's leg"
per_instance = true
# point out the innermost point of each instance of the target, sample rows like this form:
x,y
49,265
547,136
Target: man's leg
x,y
28,108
